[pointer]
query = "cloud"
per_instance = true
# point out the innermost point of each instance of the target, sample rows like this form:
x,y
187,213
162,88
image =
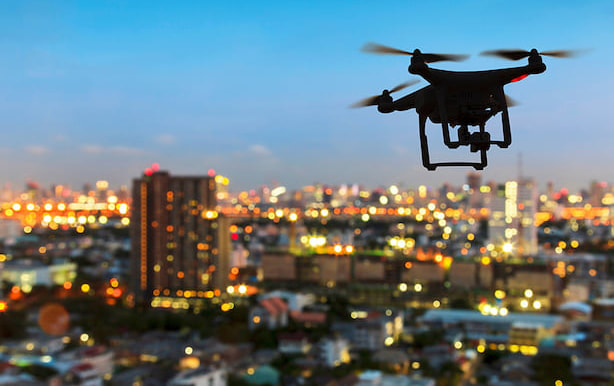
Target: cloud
x,y
36,149
91,149
166,139
126,150
117,150
260,150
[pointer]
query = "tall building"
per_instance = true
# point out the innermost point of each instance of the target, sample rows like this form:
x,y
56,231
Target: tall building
x,y
180,245
512,217
527,209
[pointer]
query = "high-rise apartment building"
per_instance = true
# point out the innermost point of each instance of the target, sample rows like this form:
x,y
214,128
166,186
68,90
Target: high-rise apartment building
x,y
180,245
511,226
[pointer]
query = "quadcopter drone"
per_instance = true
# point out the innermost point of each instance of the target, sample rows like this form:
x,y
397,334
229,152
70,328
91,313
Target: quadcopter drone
x,y
459,99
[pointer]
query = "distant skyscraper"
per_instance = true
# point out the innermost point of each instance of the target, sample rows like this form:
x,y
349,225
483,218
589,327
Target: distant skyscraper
x,y
527,209
512,216
179,245
474,180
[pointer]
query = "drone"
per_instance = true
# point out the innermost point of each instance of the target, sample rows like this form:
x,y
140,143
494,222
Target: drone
x,y
465,100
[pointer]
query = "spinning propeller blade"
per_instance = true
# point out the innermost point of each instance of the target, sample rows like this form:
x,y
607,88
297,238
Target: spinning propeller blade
x,y
517,54
375,48
372,100
510,102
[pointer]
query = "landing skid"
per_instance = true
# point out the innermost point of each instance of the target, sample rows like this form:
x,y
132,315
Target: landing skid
x,y
426,161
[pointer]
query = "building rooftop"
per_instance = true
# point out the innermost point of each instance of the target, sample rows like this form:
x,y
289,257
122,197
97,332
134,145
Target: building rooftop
x,y
470,316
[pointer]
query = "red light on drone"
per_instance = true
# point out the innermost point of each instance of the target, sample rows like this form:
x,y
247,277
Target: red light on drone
x,y
521,77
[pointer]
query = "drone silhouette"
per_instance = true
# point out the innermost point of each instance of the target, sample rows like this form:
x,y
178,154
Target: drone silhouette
x,y
460,99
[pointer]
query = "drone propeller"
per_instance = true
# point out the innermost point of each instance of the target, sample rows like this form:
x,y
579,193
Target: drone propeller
x,y
521,54
372,100
376,48
510,102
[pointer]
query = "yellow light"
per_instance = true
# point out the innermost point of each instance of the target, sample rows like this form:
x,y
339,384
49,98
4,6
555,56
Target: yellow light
x,y
389,341
528,293
30,206
293,217
481,348
84,337
436,303
524,303
123,208
485,260
256,319
418,287
537,304
503,311
125,221
16,207
508,247
558,382
403,287
189,350
337,248
349,249
242,289
500,294
48,206
27,229
415,365
230,289
103,219
85,288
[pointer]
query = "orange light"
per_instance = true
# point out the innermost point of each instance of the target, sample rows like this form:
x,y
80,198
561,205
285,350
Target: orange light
x,y
67,285
234,270
408,264
3,306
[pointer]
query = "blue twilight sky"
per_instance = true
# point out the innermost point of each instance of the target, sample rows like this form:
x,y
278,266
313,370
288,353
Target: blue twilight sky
x,y
259,90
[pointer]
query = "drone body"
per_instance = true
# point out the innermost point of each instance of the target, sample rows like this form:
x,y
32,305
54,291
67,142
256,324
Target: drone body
x,y
459,99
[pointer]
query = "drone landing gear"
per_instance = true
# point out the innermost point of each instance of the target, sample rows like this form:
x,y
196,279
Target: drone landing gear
x,y
482,147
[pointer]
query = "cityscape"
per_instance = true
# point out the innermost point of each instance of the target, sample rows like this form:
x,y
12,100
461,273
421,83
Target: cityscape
x,y
179,280
188,198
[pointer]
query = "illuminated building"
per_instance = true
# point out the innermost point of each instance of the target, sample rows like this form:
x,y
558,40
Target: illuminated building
x,y
527,209
179,246
511,226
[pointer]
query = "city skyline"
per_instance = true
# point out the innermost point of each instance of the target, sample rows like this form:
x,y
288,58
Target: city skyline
x,y
260,92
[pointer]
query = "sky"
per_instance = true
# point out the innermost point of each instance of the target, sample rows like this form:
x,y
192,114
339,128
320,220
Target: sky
x,y
259,91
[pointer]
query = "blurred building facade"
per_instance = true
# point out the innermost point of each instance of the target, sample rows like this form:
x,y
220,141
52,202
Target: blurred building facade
x,y
179,242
